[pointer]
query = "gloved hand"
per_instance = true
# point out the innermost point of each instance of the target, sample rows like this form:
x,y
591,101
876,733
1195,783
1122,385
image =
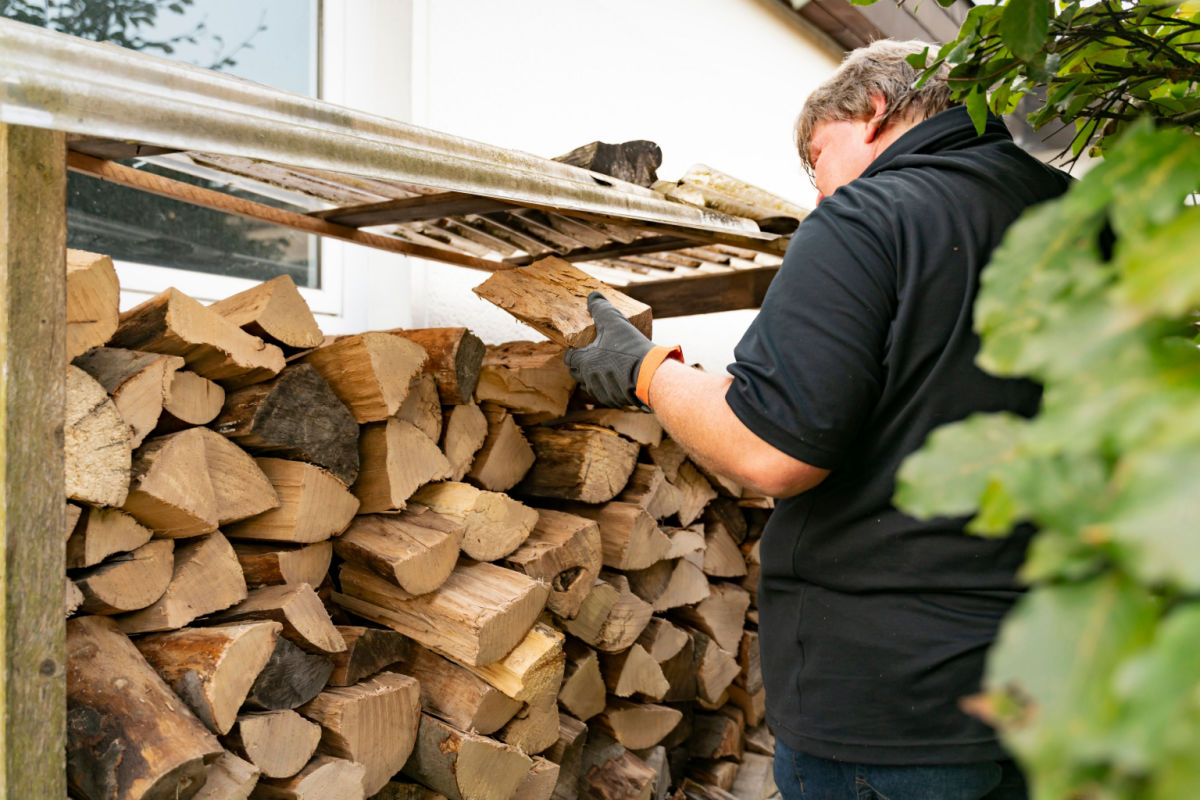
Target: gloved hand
x,y
609,367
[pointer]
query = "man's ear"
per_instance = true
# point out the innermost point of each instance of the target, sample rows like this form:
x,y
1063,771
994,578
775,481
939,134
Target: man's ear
x,y
876,123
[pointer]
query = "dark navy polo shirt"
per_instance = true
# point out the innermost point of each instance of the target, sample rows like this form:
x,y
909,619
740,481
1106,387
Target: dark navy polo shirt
x,y
874,624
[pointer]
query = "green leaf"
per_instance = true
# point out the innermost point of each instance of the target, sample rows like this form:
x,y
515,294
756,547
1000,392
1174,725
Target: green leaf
x,y
977,108
1159,272
1024,25
918,60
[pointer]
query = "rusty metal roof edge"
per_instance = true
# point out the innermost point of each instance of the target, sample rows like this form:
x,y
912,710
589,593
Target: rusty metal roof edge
x,y
61,82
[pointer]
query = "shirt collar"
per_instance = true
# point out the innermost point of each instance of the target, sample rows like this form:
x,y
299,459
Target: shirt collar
x,y
951,129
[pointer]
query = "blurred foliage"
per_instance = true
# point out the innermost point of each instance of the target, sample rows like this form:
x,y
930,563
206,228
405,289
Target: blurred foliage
x,y
1095,680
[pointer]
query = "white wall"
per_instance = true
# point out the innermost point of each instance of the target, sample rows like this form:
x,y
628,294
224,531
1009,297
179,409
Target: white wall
x,y
711,81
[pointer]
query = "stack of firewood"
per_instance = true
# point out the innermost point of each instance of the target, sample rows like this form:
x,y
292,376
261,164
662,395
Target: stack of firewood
x,y
397,564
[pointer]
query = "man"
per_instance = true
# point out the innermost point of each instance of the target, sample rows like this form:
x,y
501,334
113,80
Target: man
x,y
873,625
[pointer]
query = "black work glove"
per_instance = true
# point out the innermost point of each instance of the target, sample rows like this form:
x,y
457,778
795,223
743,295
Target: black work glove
x,y
608,367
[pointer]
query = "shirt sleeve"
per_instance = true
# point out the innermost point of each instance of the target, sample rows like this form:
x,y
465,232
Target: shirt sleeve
x,y
811,367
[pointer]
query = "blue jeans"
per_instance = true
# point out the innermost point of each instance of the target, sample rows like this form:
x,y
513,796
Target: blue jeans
x,y
804,777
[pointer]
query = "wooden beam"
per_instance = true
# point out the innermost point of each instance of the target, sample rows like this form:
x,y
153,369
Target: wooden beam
x,y
704,294
411,209
178,190
33,231
651,244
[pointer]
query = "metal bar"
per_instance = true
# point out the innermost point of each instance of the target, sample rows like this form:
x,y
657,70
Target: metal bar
x,y
33,235
156,184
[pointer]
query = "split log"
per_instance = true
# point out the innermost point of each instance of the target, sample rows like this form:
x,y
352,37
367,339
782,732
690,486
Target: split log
x,y
206,578
93,296
373,723
396,459
505,456
73,515
567,752
325,778
583,691
459,696
416,549
662,640
637,725
278,743
695,790
540,781
590,464
715,669
668,455
634,161
649,488
632,672
494,524
466,431
190,400
680,670
728,515
96,443
175,324
611,772
639,426
297,607
670,583
716,777
455,359
228,778
368,650
722,615
313,505
759,739
422,407
716,735
118,707
526,377
755,779
611,617
369,372
212,669
272,564
722,558
629,536
687,543
752,704
73,599
137,382
563,550
533,730
465,766
240,488
550,296
476,616
290,679
129,581
727,487
275,312
296,416
750,676
696,492
102,532
171,492
531,670
751,554
400,790
656,759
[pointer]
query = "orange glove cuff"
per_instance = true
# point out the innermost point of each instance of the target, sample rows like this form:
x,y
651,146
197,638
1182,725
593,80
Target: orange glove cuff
x,y
650,364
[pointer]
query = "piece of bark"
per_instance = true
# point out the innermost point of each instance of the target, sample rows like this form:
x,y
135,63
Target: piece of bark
x,y
275,312
550,296
73,598
634,161
305,620
459,696
567,752
368,650
290,679
611,617
532,669
128,581
583,692
455,359
278,743
610,771
668,455
396,459
313,505
373,722
206,578
533,730
465,433
716,735
632,672
128,736
752,704
637,725
96,443
190,399
416,549
721,615
93,294
564,551
465,766
212,669
295,416
591,465
272,564
505,456
526,377
137,382
540,781
494,524
722,558
175,324
671,583
630,538
228,778
476,616
324,778
102,532
639,426
649,488
755,779
696,492
422,407
369,372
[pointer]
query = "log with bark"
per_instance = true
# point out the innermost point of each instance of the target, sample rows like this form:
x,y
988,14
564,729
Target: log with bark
x,y
416,549
369,372
611,617
526,377
567,752
324,778
127,581
589,464
275,312
465,432
457,695
493,524
368,650
266,564
610,771
137,382
304,618
634,161
564,551
455,359
463,765
290,679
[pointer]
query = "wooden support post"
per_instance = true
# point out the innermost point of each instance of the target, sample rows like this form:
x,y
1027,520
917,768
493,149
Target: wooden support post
x,y
33,232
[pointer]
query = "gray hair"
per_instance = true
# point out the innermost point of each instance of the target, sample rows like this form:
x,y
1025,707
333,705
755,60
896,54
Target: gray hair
x,y
877,69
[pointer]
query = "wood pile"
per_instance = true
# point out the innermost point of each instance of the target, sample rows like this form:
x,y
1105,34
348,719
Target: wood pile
x,y
398,564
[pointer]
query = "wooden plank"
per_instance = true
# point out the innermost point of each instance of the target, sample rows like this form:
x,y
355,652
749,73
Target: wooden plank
x,y
412,209
33,231
704,294
650,244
